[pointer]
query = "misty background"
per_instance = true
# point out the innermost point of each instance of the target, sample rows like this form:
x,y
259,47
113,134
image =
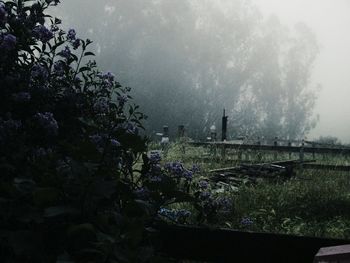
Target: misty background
x,y
280,68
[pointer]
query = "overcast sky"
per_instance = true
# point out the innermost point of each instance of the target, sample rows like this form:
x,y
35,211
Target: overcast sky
x,y
330,20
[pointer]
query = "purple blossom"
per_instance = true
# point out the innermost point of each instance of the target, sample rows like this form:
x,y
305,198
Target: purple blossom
x,y
246,221
154,158
39,72
22,96
131,128
71,35
76,44
3,13
42,33
101,105
122,100
203,184
174,168
224,204
109,76
59,68
8,42
48,122
195,168
187,175
66,53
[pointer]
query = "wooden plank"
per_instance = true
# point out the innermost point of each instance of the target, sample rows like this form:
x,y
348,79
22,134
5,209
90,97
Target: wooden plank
x,y
333,254
224,245
280,163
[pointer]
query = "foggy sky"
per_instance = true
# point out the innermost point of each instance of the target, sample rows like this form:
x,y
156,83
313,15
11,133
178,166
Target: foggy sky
x,y
330,21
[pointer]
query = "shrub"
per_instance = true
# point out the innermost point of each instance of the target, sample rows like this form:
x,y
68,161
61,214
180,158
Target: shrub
x,y
69,142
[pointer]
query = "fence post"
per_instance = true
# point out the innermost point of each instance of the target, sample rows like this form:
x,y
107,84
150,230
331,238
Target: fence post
x,y
165,139
275,153
213,139
290,154
301,154
224,127
181,134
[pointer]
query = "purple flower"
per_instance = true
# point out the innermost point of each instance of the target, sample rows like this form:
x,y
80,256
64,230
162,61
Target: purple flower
x,y
66,53
154,158
203,184
101,105
42,33
3,13
48,122
71,35
8,42
76,44
195,168
224,204
22,96
246,221
187,175
59,68
131,128
109,76
122,100
39,72
174,168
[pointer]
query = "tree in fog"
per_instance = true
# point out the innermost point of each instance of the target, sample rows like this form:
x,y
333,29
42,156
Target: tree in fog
x,y
186,60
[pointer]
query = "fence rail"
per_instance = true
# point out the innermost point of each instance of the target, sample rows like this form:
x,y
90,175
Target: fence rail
x,y
279,148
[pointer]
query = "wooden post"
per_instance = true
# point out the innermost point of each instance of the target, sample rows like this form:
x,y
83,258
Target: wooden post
x,y
275,153
165,139
224,127
213,139
290,154
181,131
301,154
180,135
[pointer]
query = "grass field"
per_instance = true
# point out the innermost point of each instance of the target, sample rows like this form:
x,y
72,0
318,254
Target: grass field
x,y
312,203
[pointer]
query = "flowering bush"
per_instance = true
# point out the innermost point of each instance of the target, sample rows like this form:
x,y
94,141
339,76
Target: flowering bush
x,y
69,140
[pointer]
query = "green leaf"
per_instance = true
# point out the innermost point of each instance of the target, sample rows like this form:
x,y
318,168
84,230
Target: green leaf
x,y
89,54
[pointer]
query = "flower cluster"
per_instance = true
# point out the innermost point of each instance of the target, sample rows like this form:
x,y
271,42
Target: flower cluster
x,y
8,42
101,105
66,52
154,158
107,79
246,221
122,100
71,37
176,169
42,33
39,72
